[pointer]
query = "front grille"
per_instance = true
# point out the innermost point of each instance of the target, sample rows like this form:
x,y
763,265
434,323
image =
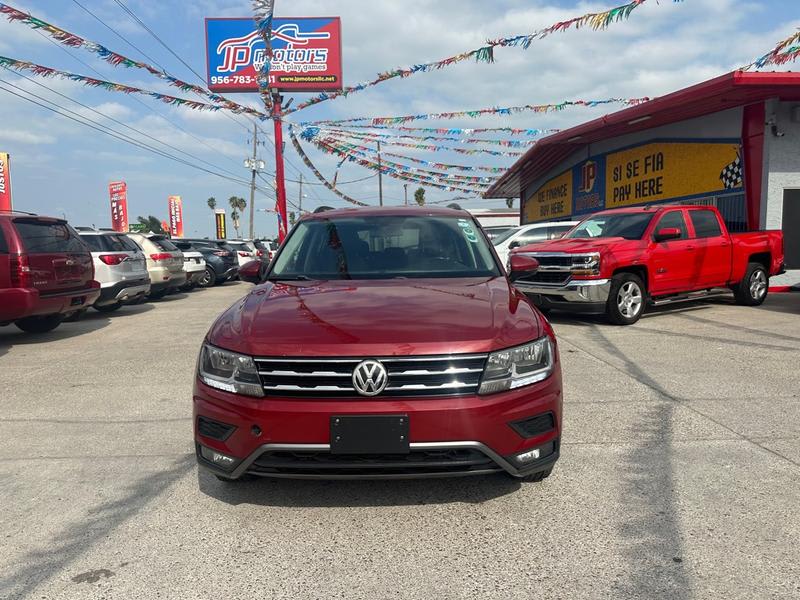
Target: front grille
x,y
534,426
547,277
416,462
214,429
554,261
407,376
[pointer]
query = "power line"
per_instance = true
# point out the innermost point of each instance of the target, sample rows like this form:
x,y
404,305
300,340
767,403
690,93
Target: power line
x,y
117,121
78,118
123,38
139,101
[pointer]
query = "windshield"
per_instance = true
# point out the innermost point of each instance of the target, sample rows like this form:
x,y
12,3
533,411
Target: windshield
x,y
385,248
630,226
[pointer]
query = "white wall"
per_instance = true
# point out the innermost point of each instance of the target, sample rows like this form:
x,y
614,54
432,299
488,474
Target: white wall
x,y
782,169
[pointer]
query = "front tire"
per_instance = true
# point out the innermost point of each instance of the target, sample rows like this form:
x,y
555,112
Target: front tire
x,y
753,288
39,324
626,300
208,279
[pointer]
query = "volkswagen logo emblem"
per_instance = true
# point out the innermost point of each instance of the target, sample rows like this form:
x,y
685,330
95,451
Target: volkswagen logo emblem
x,y
370,378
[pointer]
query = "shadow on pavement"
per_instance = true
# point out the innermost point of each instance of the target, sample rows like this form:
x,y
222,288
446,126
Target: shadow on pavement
x,y
650,526
38,566
652,312
327,494
788,302
129,310
11,336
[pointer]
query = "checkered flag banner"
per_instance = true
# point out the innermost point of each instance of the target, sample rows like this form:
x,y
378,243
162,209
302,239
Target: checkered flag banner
x,y
731,175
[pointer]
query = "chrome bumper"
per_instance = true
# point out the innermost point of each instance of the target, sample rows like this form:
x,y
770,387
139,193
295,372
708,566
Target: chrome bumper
x,y
577,291
133,291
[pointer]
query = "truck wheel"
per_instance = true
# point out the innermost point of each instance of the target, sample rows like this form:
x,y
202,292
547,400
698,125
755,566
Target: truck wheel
x,y
39,324
535,477
752,289
626,300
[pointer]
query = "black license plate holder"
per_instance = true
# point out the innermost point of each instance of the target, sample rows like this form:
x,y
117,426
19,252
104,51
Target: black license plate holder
x,y
369,434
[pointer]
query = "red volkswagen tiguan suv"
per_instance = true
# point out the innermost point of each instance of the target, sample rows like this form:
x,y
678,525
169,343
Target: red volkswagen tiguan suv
x,y
382,343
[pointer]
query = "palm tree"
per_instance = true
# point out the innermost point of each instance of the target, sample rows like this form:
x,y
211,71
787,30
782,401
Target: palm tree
x,y
237,204
153,224
212,203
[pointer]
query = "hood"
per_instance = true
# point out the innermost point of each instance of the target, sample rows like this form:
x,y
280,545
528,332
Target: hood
x,y
377,318
575,245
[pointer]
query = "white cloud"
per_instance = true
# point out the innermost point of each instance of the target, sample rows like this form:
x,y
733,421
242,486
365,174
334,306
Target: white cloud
x,y
22,136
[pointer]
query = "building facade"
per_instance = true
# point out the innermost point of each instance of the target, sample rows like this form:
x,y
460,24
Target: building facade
x,y
732,142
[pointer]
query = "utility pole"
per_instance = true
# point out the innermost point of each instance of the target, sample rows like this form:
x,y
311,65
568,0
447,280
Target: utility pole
x,y
380,176
253,181
300,198
280,184
405,187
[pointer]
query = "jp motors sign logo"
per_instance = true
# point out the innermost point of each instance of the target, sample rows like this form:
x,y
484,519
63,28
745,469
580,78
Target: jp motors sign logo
x,y
306,54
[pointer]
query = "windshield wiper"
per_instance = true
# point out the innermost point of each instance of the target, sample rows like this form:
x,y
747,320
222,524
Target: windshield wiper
x,y
290,278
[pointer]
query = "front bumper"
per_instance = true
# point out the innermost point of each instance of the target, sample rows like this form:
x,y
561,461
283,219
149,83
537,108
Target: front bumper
x,y
449,436
578,295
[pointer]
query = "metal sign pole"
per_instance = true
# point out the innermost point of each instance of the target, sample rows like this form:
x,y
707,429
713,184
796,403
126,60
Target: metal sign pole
x,y
280,184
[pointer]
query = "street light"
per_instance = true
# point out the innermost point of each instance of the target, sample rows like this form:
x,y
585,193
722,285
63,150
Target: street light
x,y
255,165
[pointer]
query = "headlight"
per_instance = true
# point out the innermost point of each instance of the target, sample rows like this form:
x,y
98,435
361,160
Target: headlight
x,y
229,371
514,367
586,264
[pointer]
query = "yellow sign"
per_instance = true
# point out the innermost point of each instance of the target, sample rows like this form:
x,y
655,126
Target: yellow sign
x,y
667,170
551,201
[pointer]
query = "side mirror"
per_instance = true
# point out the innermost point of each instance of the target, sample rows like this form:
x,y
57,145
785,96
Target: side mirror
x,y
521,265
667,233
513,245
251,272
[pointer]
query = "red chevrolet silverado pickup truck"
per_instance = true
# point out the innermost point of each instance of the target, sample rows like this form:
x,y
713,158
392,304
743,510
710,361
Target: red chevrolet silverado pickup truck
x,y
380,343
618,261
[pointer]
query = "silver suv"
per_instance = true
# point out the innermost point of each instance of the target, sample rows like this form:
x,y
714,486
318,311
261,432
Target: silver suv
x,y
119,266
164,263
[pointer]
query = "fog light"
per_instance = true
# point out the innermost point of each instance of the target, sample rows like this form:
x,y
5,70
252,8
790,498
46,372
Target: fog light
x,y
528,456
218,458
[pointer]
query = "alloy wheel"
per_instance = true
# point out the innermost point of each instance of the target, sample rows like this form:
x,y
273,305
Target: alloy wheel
x,y
758,284
629,299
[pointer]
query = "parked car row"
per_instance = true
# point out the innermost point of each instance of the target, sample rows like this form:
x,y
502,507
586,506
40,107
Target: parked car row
x,y
51,272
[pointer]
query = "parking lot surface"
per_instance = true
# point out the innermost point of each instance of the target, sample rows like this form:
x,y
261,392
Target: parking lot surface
x,y
679,476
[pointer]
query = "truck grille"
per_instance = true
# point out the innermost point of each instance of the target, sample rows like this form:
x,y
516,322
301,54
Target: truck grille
x,y
548,277
407,376
553,261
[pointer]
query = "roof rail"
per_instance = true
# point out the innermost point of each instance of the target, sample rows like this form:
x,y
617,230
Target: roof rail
x,y
84,229
22,212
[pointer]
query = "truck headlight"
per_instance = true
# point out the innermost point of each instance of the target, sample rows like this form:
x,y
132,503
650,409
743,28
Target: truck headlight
x,y
514,367
586,264
229,371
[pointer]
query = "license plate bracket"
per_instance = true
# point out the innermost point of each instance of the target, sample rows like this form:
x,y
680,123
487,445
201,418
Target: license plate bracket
x,y
369,434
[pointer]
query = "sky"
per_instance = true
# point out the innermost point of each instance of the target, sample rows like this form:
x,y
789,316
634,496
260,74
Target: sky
x,y
62,168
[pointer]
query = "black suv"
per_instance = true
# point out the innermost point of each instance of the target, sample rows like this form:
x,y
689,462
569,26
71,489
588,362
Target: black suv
x,y
221,262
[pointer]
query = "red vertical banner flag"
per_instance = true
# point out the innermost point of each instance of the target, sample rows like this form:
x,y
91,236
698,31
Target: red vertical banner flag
x,y
175,205
118,191
5,181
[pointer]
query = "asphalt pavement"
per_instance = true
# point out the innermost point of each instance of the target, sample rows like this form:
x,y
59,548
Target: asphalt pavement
x,y
679,476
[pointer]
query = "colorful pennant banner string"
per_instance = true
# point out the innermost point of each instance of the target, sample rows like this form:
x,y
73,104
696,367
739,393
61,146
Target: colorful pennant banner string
x,y
595,21
445,166
263,10
307,161
454,130
784,52
75,41
439,180
402,175
427,138
434,164
42,71
473,114
467,151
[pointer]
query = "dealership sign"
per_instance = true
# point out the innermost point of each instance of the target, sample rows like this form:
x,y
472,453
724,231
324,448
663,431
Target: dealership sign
x,y
219,220
656,171
118,192
306,54
175,207
5,182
